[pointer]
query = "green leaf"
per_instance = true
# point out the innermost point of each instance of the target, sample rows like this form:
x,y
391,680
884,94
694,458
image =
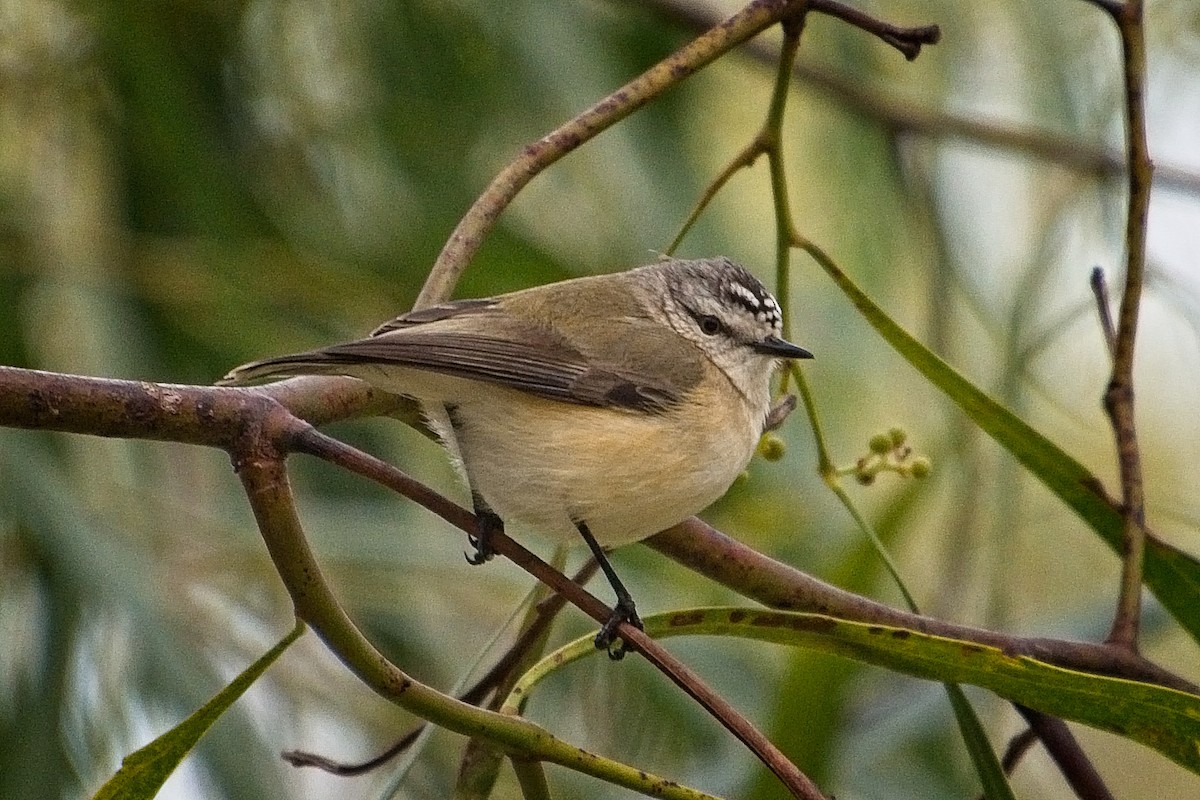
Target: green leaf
x,y
983,757
1172,575
144,771
1164,719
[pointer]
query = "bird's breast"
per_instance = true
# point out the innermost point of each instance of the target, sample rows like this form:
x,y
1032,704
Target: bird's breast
x,y
626,474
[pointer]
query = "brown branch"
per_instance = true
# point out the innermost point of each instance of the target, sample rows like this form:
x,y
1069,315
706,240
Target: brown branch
x,y
906,118
709,552
907,40
219,416
1072,762
1107,329
464,241
1118,398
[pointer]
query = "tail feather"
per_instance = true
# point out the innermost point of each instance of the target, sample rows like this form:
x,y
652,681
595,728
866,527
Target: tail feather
x,y
313,363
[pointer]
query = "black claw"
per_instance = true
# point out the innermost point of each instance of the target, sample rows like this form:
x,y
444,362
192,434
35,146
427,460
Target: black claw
x,y
608,636
487,523
623,611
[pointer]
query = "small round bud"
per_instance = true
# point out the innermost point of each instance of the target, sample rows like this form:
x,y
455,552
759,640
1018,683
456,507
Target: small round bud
x,y
771,447
920,467
880,443
865,478
898,436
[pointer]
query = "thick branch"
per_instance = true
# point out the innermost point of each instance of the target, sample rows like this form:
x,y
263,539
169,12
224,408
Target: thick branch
x,y
221,416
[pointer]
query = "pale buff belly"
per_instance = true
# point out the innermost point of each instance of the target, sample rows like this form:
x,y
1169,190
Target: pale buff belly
x,y
627,475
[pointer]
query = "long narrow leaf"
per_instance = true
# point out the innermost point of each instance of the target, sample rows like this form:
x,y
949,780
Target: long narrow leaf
x,y
983,757
1164,719
144,771
1172,575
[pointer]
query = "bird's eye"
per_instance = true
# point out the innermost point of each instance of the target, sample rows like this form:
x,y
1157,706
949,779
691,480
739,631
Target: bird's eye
x,y
710,325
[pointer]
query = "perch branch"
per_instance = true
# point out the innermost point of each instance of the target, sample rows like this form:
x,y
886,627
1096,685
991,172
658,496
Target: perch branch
x,y
318,444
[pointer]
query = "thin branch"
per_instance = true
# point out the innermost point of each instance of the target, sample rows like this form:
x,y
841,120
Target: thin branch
x,y
1018,746
217,416
907,40
545,612
746,158
907,118
695,55
1062,746
1103,307
1118,398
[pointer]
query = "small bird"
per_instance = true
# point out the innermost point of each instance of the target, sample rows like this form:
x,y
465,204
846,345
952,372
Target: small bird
x,y
611,406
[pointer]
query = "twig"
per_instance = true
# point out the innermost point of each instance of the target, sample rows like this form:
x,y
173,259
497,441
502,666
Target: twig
x,y
1018,746
546,611
535,157
904,117
1062,746
1118,398
1100,290
907,40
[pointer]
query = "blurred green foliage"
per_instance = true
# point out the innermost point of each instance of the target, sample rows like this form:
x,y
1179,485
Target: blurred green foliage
x,y
185,186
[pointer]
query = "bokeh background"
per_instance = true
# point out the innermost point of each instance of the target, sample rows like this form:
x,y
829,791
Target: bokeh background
x,y
185,186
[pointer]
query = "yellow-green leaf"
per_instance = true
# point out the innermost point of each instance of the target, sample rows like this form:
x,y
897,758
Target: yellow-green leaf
x,y
1164,719
144,771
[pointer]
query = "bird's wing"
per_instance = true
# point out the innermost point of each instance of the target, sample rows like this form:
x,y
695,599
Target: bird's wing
x,y
528,357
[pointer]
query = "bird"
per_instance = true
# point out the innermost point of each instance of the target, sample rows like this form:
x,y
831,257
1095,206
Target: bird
x,y
609,407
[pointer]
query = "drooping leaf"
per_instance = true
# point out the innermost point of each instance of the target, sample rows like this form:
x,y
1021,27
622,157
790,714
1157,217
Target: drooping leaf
x,y
144,771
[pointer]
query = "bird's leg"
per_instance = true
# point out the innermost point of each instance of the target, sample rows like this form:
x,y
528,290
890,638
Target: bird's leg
x,y
623,611
486,523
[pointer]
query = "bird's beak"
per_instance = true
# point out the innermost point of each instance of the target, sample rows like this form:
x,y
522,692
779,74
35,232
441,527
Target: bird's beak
x,y
774,346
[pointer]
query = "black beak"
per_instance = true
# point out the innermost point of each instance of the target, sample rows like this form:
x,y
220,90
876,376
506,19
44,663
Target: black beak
x,y
774,346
